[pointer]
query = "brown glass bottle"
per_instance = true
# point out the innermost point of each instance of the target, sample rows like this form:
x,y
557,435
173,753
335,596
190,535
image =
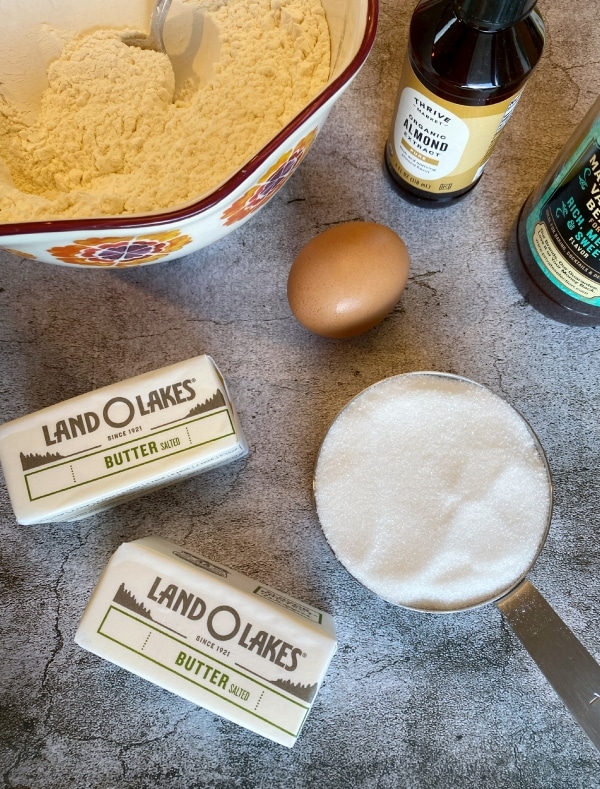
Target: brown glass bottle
x,y
554,251
467,62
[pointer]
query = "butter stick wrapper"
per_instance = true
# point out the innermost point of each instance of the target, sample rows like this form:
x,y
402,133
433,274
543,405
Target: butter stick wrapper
x,y
91,452
221,640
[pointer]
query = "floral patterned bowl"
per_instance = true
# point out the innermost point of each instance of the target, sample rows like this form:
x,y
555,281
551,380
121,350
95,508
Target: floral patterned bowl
x,y
116,242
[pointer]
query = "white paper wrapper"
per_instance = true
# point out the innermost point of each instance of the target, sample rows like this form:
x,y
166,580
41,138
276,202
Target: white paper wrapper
x,y
218,638
91,452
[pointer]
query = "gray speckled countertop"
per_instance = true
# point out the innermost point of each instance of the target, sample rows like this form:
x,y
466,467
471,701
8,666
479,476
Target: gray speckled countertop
x,y
410,700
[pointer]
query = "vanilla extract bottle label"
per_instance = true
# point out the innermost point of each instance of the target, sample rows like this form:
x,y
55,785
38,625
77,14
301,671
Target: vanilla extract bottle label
x,y
438,146
563,229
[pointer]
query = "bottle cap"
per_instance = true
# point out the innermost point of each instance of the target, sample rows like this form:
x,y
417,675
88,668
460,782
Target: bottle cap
x,y
495,14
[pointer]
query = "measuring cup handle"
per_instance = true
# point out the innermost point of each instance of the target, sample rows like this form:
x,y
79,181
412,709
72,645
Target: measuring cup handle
x,y
566,663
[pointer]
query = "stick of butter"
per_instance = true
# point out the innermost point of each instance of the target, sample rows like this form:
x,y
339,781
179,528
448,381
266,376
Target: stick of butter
x,y
89,453
219,639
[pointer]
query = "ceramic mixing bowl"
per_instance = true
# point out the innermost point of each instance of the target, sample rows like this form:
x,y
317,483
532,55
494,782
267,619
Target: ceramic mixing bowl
x,y
26,48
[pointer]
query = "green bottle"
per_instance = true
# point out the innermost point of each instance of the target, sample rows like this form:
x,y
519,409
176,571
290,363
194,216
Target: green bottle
x,y
558,232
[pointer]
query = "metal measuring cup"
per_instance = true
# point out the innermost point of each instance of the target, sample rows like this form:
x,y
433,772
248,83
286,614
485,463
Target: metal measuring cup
x,y
566,663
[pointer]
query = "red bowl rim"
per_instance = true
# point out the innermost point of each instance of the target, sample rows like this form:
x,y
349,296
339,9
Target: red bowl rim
x,y
229,186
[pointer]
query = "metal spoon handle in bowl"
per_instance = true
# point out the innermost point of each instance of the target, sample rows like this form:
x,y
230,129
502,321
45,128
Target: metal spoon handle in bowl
x,y
157,23
566,663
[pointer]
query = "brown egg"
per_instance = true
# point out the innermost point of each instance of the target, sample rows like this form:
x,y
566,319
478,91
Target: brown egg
x,y
348,278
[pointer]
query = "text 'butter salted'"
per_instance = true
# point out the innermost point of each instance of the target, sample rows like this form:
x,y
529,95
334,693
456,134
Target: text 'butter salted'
x,y
91,452
211,635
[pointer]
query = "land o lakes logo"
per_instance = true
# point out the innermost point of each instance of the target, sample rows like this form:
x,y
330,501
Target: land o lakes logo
x,y
248,637
89,421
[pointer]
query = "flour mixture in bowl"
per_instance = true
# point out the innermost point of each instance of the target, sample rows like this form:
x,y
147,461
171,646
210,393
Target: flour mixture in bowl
x,y
112,137
433,492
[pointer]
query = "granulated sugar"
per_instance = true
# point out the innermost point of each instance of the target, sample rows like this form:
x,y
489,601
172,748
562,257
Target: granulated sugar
x,y
432,492
112,137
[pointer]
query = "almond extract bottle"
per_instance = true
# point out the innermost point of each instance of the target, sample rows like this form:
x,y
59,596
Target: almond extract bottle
x,y
557,265
466,65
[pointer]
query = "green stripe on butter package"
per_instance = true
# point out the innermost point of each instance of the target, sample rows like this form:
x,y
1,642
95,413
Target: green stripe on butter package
x,y
232,645
86,454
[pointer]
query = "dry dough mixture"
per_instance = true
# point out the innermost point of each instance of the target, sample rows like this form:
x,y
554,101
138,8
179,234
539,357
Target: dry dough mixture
x,y
112,137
